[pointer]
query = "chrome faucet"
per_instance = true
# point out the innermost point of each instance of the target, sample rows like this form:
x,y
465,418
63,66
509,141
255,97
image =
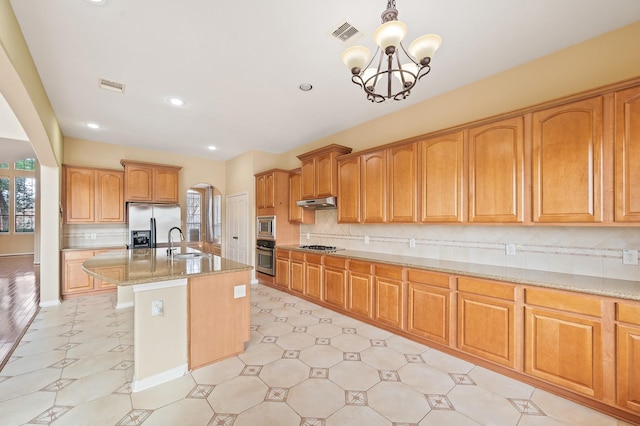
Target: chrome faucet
x,y
170,249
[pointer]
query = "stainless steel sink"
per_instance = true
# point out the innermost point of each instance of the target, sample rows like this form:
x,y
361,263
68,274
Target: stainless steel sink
x,y
190,255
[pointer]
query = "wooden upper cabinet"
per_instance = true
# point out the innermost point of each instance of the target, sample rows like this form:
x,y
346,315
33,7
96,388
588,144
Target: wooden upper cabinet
x,y
109,196
567,162
374,186
146,182
269,190
496,172
319,172
260,191
298,214
349,190
93,195
403,183
79,190
442,178
272,193
627,155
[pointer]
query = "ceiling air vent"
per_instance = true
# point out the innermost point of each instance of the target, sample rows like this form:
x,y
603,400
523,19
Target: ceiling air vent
x,y
112,86
346,33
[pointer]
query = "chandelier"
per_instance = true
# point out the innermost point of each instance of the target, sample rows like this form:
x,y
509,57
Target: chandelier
x,y
394,77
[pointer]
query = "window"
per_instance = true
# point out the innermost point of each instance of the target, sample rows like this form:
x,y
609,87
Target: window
x,y
194,215
18,196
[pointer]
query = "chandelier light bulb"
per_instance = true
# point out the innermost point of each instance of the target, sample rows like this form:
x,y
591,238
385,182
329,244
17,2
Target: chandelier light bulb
x,y
390,34
409,77
424,47
355,58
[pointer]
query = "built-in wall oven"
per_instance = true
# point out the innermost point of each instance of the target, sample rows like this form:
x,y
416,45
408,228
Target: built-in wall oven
x,y
265,257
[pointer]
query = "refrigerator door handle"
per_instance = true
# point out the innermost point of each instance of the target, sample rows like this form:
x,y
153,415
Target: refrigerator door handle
x,y
152,227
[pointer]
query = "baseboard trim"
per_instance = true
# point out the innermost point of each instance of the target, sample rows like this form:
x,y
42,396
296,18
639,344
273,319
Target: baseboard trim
x,y
124,305
50,303
157,379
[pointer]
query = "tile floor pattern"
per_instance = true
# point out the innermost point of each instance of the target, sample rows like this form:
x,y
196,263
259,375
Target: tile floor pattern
x,y
304,365
19,299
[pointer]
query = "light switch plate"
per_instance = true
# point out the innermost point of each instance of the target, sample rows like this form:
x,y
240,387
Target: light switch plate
x,y
510,249
366,239
412,243
157,308
239,291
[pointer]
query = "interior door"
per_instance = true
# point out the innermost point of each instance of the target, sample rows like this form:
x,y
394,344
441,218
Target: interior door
x,y
237,228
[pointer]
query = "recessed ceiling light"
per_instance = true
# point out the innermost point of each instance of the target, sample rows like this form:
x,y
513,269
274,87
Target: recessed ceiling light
x,y
305,87
176,101
93,126
97,1
212,148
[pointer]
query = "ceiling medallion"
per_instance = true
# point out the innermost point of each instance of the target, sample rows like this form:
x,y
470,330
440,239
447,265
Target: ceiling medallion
x,y
392,79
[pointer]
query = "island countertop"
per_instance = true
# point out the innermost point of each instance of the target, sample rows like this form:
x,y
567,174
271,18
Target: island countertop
x,y
142,266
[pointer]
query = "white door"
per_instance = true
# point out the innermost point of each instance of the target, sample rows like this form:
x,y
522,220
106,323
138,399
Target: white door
x,y
238,228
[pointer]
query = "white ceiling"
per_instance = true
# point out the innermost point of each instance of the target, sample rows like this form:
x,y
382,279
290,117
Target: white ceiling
x,y
238,64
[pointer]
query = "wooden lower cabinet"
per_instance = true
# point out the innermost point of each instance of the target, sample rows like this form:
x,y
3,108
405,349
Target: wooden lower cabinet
x,y
389,295
77,282
282,268
486,323
296,274
563,340
429,305
628,356
313,276
360,288
334,281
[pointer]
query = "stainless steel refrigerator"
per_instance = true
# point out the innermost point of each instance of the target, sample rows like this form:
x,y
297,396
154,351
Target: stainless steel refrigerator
x,y
157,218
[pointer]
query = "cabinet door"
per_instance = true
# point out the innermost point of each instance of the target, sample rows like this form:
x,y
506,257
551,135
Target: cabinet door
x,y
270,190
138,183
628,366
79,195
389,301
74,279
165,185
308,178
360,294
442,178
260,191
296,282
428,312
282,269
564,349
110,196
326,185
486,328
496,172
295,194
403,183
374,187
313,276
627,158
334,281
349,190
567,163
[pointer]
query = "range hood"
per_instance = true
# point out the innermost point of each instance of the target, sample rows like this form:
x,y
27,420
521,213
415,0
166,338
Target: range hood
x,y
318,203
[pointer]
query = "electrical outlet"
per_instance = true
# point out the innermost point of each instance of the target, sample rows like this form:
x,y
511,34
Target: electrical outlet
x,y
308,236
630,257
412,243
87,236
510,249
366,239
156,308
93,236
239,291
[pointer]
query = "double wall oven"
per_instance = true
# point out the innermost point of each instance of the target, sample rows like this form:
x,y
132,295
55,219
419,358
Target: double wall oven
x,y
265,245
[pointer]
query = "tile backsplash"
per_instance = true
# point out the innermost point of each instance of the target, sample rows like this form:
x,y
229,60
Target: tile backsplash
x,y
81,236
582,250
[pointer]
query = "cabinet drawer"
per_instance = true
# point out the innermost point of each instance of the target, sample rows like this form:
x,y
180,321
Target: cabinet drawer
x,y
628,313
361,267
314,258
576,303
77,254
335,262
393,272
487,288
282,254
426,277
297,255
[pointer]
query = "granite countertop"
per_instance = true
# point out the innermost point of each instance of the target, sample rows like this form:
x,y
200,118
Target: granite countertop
x,y
146,265
579,283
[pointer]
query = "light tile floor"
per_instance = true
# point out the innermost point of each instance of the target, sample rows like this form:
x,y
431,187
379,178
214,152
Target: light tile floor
x,y
304,365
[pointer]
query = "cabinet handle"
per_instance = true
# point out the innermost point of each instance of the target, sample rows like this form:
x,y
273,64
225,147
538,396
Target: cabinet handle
x,y
235,238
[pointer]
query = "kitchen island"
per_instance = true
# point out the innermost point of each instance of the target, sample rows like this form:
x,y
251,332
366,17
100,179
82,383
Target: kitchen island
x,y
190,309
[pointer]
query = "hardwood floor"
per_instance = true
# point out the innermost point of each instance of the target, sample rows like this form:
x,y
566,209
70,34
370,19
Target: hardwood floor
x,y
19,300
